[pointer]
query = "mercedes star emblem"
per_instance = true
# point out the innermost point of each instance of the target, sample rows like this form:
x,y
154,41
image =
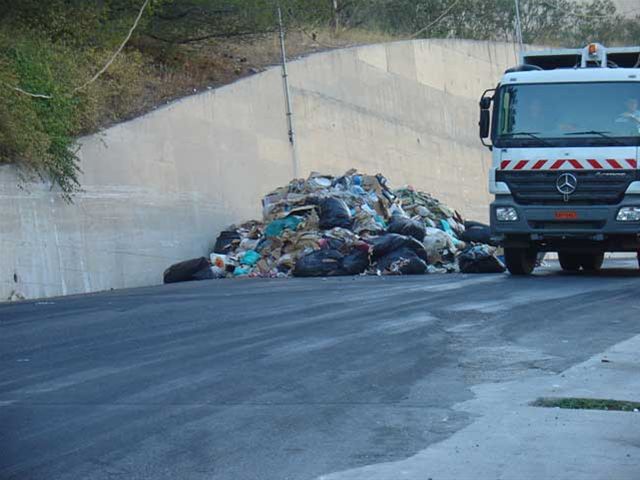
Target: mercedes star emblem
x,y
566,185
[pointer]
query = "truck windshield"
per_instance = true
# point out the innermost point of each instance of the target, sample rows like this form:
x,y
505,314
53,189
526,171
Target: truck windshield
x,y
557,114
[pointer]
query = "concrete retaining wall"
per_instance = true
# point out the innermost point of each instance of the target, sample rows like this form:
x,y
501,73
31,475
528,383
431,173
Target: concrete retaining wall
x,y
159,188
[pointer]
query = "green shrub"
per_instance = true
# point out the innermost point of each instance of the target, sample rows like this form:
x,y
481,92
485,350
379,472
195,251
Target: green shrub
x,y
40,131
51,48
20,138
39,134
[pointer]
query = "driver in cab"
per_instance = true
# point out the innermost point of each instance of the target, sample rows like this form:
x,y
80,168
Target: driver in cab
x,y
631,116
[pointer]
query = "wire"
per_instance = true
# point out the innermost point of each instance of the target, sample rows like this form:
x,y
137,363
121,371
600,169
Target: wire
x,y
117,52
518,26
437,20
34,95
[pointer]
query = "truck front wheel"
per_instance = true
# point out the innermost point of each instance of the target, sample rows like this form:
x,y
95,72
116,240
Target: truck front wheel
x,y
570,262
592,262
520,261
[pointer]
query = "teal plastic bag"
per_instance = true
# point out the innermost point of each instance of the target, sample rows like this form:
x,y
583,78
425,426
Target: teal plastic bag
x,y
449,231
447,228
240,272
250,258
275,228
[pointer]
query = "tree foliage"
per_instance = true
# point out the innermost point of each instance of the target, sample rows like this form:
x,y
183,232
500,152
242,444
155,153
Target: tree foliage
x,y
566,22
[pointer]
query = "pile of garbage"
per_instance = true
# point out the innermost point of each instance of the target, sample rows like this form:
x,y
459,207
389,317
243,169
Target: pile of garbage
x,y
348,225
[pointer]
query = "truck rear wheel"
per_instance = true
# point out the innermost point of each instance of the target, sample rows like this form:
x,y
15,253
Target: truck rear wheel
x,y
570,262
592,262
520,261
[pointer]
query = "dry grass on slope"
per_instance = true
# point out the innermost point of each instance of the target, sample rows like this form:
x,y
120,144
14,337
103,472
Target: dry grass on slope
x,y
171,73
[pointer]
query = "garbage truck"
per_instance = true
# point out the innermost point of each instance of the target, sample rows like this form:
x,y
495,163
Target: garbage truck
x,y
564,130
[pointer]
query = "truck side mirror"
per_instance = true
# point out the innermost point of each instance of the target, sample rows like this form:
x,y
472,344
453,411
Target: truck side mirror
x,y
485,116
484,123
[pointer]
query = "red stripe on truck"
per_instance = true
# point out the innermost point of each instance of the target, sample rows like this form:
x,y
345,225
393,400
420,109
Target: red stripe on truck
x,y
614,163
520,165
576,164
539,164
594,163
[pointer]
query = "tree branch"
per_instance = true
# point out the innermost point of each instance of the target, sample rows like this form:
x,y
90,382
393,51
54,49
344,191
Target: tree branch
x,y
208,36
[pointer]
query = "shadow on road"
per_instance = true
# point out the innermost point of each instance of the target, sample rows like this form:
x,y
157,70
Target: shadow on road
x,y
613,268
605,273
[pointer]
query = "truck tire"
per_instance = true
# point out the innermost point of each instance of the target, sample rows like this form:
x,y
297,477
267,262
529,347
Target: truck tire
x,y
520,261
570,262
592,262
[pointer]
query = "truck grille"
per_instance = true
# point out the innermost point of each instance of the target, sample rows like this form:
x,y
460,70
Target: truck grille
x,y
594,187
567,226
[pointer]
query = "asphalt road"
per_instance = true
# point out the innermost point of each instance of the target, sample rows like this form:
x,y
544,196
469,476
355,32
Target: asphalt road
x,y
282,379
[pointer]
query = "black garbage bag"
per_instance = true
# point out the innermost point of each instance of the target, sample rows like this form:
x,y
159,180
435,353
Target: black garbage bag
x,y
407,226
334,213
331,263
385,244
402,261
479,259
225,241
321,263
477,232
335,244
477,235
474,224
356,262
194,269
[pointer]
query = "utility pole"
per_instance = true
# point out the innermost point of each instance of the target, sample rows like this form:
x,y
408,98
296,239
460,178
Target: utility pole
x,y
335,16
518,26
287,96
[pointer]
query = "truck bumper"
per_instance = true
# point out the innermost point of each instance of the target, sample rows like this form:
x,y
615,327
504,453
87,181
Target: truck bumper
x,y
554,227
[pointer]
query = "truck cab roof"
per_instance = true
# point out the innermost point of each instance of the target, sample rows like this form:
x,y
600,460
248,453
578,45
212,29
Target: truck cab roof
x,y
592,55
593,63
573,75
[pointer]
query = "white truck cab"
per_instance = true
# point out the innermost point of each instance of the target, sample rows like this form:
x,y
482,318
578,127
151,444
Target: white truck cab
x,y
564,129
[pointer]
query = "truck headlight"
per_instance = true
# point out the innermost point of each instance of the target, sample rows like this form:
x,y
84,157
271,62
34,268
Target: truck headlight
x,y
507,214
628,214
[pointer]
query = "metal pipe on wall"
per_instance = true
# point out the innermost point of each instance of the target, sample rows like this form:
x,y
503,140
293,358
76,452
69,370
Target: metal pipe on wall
x,y
287,96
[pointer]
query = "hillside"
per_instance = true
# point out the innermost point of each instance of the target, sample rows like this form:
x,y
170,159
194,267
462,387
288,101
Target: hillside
x,y
71,67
